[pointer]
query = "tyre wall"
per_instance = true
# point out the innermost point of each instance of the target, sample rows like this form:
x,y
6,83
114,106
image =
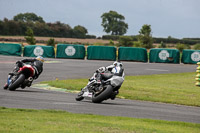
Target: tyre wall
x,y
36,50
10,49
70,51
158,55
190,56
101,53
132,54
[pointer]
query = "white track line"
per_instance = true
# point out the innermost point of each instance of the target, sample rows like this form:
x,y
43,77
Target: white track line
x,y
156,70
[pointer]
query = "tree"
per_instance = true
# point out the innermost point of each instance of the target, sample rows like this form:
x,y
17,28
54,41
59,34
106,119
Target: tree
x,y
25,17
181,47
125,41
79,31
114,23
59,29
145,36
51,42
30,37
197,46
162,45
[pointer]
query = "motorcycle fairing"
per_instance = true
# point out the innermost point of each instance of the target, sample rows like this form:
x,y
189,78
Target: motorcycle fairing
x,y
28,68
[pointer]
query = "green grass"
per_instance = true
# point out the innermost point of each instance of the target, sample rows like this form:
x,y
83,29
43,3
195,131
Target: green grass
x,y
176,88
48,121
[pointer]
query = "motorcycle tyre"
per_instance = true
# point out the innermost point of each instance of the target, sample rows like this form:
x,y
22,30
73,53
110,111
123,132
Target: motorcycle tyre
x,y
79,97
17,82
104,95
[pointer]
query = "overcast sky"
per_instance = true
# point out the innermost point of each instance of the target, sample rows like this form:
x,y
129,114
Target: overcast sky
x,y
176,18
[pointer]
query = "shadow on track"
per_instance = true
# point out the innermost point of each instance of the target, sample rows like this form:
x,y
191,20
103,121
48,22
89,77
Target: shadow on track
x,y
103,103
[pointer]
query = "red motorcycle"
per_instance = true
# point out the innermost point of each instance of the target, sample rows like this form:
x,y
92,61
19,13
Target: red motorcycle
x,y
22,78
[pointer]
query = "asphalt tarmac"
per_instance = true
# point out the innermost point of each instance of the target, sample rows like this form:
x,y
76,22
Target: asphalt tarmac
x,y
33,98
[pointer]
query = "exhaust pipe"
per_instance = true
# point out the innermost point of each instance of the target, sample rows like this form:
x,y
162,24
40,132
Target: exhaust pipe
x,y
30,79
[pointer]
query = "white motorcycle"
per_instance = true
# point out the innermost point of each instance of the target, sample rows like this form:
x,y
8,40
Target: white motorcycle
x,y
102,86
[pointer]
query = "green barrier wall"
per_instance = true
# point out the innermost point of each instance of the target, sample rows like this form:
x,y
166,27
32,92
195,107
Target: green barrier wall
x,y
132,54
36,50
190,56
10,49
101,53
158,55
70,51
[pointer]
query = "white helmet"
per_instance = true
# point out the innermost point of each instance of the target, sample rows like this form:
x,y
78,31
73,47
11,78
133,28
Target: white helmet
x,y
101,69
118,63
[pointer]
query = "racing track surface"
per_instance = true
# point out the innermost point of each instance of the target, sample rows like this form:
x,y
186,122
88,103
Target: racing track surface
x,y
33,98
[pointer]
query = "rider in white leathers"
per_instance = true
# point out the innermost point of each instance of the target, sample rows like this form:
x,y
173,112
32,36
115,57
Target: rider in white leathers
x,y
116,69
101,76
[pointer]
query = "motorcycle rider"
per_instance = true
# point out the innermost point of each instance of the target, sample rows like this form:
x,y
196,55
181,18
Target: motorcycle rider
x,y
36,63
115,69
104,73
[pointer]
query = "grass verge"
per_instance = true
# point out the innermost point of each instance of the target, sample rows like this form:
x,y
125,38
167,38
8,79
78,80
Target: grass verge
x,y
45,121
176,88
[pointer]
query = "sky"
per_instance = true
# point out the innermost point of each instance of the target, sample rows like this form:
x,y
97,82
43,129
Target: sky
x,y
175,18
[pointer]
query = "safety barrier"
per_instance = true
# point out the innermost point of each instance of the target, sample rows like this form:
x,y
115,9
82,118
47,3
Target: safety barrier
x,y
198,75
101,53
190,56
70,51
158,55
132,54
10,49
36,50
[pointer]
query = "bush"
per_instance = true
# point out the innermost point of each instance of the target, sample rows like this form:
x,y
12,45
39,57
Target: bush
x,y
111,43
126,41
110,37
197,46
170,39
30,37
162,45
181,47
146,41
90,37
51,42
137,44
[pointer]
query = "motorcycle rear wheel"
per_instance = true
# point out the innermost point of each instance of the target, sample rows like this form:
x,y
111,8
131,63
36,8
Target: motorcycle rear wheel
x,y
103,95
17,82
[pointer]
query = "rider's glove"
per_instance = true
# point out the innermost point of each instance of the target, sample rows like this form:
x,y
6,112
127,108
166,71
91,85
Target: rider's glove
x,y
19,63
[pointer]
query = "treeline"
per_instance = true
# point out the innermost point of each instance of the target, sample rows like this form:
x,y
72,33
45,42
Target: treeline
x,y
190,41
21,22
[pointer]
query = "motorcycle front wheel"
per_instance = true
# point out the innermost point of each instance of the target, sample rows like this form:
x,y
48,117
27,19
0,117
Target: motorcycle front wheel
x,y
103,95
13,86
79,97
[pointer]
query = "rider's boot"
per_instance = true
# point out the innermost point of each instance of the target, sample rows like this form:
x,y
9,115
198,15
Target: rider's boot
x,y
113,96
11,74
7,83
5,86
30,80
29,83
